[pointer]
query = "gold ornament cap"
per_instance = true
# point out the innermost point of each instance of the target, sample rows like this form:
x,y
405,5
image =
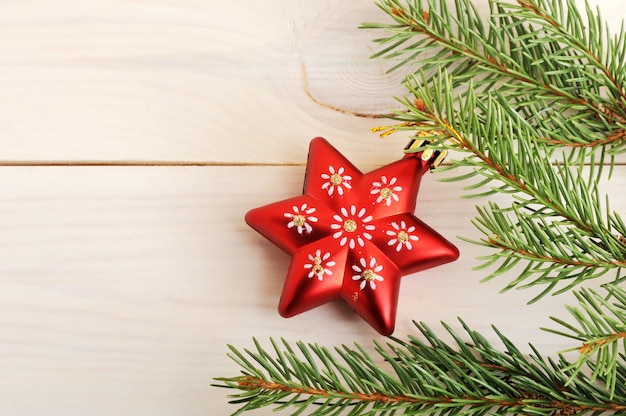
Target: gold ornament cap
x,y
434,157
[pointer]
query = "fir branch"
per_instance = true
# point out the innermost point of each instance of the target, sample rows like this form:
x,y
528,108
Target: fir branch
x,y
555,72
424,377
591,40
600,324
556,223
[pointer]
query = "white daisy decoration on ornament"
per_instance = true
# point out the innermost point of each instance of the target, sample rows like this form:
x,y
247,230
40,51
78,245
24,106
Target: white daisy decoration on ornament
x,y
320,265
386,189
336,181
401,236
352,227
300,218
367,273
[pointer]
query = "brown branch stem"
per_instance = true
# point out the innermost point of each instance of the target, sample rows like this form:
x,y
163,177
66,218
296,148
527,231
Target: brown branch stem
x,y
498,244
253,383
588,347
619,135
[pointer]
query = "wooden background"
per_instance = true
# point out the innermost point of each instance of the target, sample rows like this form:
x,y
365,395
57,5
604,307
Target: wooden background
x,y
134,136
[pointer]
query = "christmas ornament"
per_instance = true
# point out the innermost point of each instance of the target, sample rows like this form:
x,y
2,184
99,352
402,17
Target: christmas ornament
x,y
353,235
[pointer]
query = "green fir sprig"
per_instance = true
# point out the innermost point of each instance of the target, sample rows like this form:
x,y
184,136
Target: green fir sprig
x,y
561,72
600,326
556,224
421,377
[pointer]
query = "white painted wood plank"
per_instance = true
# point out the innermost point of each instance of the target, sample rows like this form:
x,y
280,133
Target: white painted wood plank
x,y
182,80
192,80
122,286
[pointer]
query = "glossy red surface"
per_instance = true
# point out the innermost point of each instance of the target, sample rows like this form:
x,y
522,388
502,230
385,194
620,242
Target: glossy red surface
x,y
352,235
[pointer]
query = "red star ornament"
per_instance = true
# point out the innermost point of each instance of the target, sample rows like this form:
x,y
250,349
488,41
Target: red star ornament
x,y
352,235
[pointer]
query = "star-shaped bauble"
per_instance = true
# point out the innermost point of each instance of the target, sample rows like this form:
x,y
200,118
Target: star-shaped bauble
x,y
352,235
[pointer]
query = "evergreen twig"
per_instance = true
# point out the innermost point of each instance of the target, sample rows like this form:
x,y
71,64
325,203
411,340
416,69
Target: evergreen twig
x,y
556,224
424,377
601,328
560,72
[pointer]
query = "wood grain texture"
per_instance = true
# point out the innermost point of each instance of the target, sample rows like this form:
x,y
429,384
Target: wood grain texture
x,y
198,81
121,285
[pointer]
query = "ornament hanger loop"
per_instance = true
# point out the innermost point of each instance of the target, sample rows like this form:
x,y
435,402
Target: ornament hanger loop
x,y
432,157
